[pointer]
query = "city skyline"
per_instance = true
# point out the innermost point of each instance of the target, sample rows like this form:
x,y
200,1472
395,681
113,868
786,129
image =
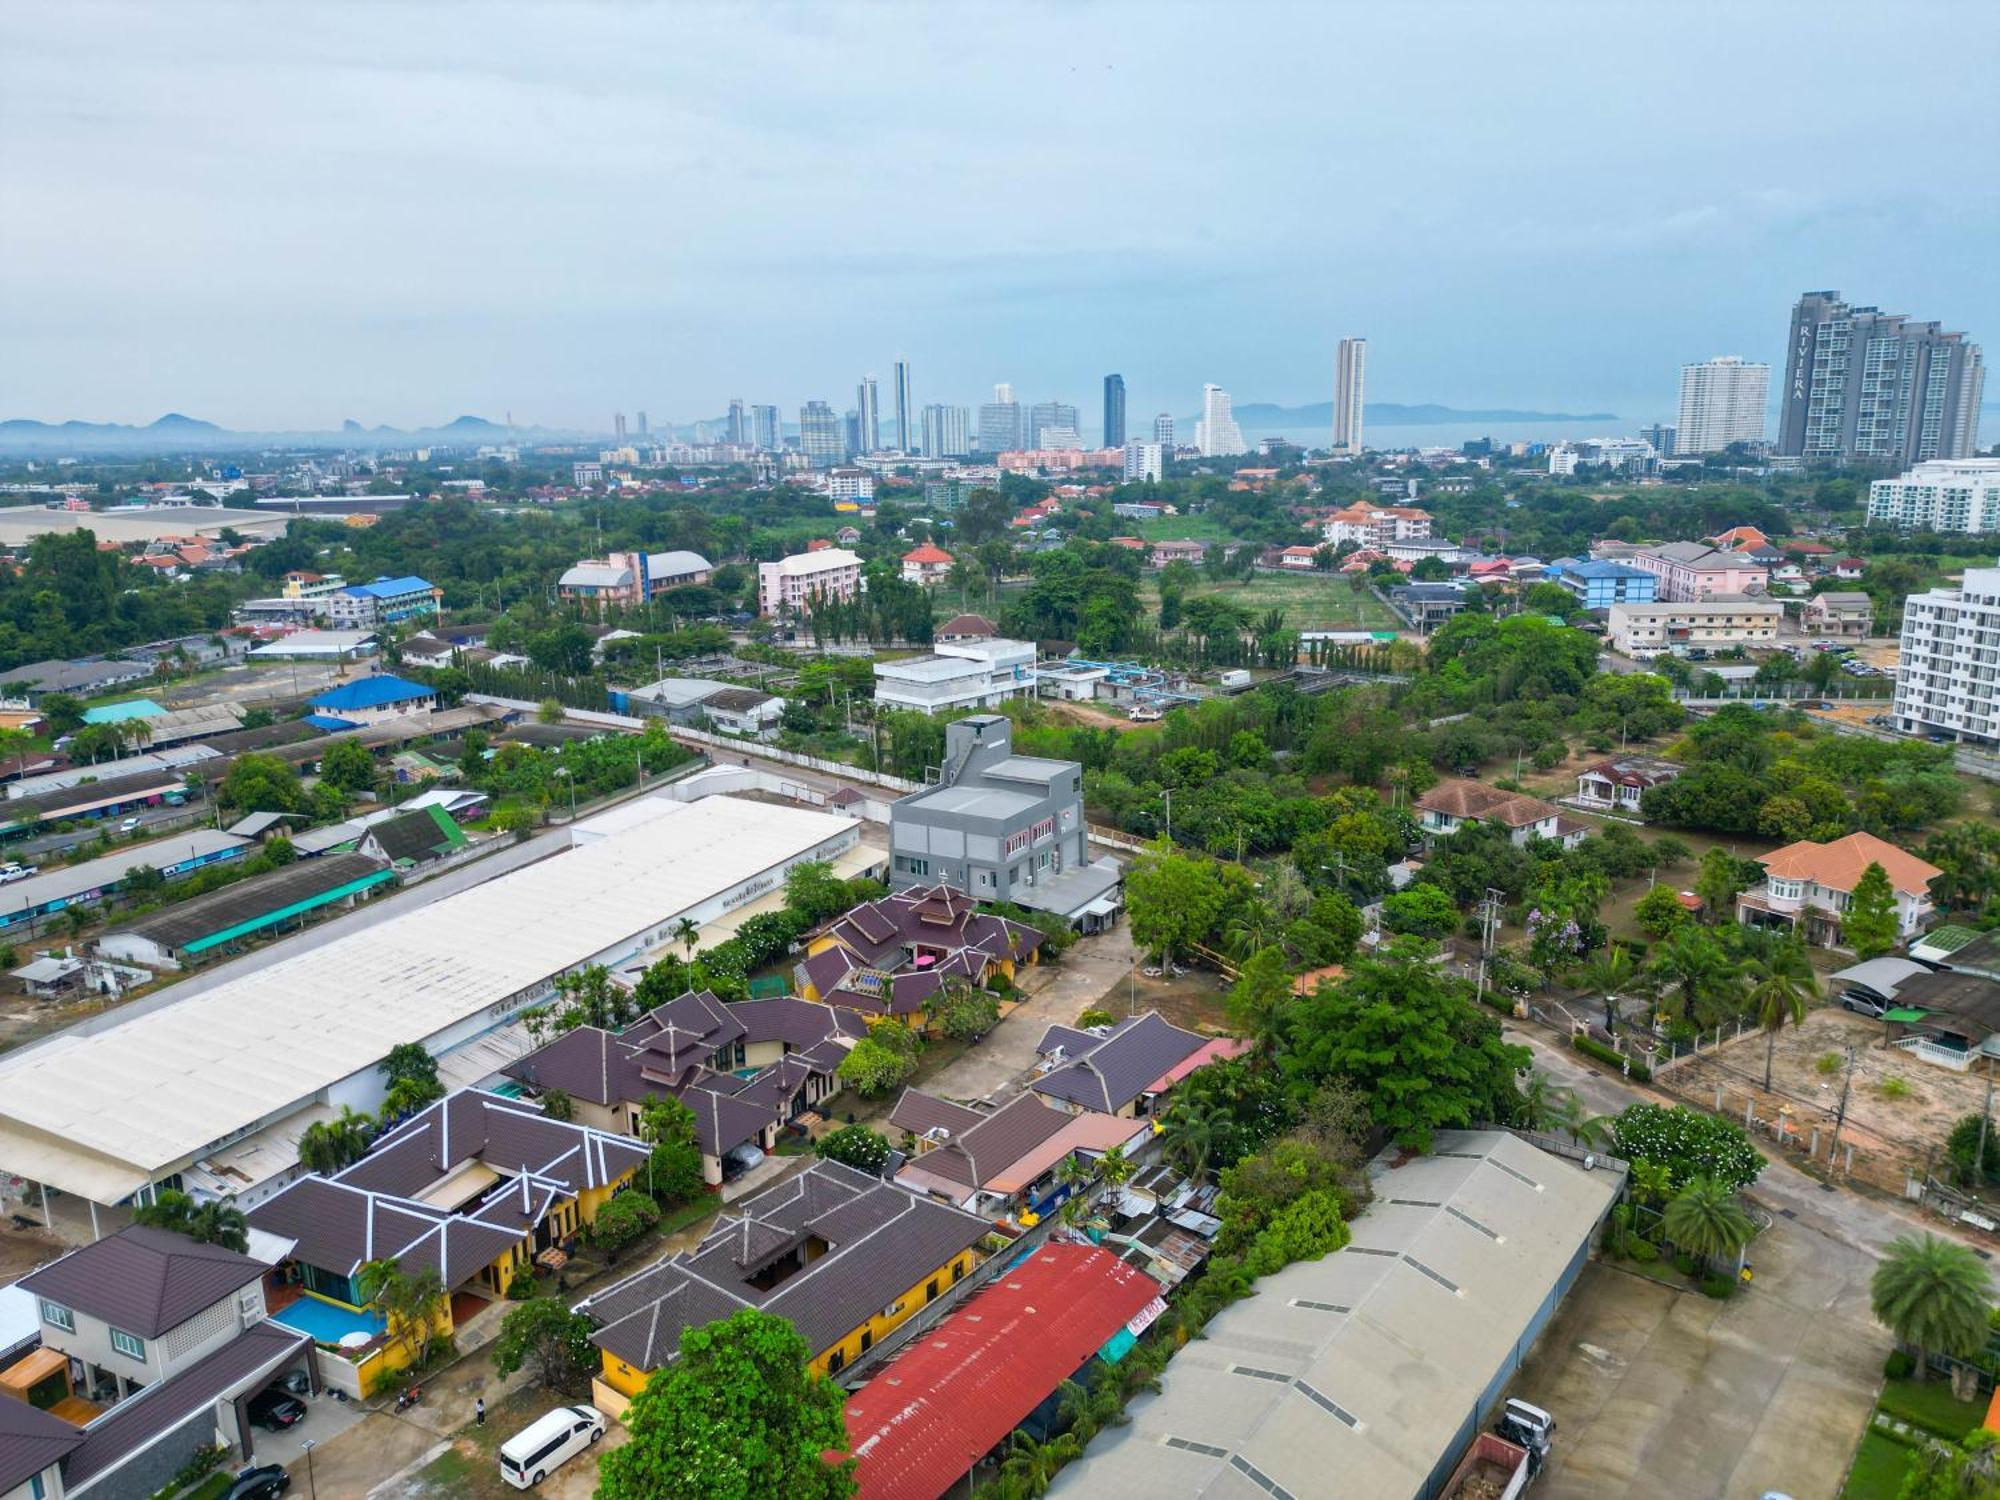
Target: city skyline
x,y
708,289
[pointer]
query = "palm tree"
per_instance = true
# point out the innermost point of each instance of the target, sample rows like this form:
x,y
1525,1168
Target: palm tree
x,y
1034,1466
326,1146
408,1304
220,1223
1706,1220
1932,1294
1189,1137
1782,982
1612,973
1651,1183
1693,963
685,933
1115,1167
1543,1106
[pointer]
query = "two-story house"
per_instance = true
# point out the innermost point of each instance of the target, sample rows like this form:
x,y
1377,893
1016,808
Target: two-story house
x,y
1809,887
1003,827
894,956
966,674
1455,804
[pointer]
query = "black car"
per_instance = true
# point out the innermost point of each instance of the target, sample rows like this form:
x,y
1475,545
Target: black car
x,y
266,1482
274,1410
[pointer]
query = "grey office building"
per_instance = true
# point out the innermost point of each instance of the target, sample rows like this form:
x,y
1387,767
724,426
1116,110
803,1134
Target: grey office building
x,y
1864,384
1003,827
765,429
820,435
868,416
1047,416
944,432
1000,425
906,411
737,429
1114,411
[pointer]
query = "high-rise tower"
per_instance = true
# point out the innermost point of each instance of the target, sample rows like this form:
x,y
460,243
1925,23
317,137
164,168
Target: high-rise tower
x,y
1114,411
1350,369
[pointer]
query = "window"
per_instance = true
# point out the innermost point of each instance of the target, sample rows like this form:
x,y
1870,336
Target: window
x,y
931,1290
894,1308
836,1362
57,1316
127,1344
916,866
867,1340
958,1271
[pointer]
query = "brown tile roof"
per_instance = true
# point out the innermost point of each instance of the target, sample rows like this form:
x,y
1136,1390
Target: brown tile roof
x,y
1475,800
1119,1068
1839,865
918,1112
143,1280
31,1440
977,1155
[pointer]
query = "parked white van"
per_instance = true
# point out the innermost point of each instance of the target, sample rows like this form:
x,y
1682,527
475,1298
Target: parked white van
x,y
549,1442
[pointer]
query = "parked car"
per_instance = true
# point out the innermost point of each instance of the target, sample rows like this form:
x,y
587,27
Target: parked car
x,y
9,873
265,1482
1863,1005
538,1450
273,1409
127,825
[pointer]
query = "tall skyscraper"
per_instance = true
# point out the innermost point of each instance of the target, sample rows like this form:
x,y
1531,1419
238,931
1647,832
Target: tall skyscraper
x,y
1217,434
738,427
1722,402
1047,416
1000,422
766,431
868,416
1163,430
820,438
1350,369
906,411
946,432
1864,384
642,424
850,432
1114,411
618,427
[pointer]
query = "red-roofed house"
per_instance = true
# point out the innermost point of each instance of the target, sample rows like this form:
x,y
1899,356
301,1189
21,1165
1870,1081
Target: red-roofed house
x,y
1808,886
926,564
1298,559
926,1419
1849,567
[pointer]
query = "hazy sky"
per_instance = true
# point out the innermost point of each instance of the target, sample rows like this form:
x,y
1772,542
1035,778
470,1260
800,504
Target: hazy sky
x,y
282,216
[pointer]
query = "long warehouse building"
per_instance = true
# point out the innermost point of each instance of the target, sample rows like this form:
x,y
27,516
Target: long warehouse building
x,y
209,1093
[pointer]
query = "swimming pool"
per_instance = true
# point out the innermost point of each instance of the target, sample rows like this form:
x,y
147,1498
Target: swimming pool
x,y
327,1323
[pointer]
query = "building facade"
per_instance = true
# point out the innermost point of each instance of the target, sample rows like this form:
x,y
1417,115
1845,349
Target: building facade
x,y
971,674
1722,402
1647,630
631,578
1145,461
946,432
1689,571
1046,418
868,416
1961,494
766,431
1114,412
1864,384
1217,434
820,437
1950,657
785,586
386,601
906,410
1350,366
1000,426
1599,585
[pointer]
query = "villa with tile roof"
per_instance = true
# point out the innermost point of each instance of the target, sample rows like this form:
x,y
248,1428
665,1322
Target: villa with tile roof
x,y
1002,1162
1456,803
1125,1070
892,957
1809,886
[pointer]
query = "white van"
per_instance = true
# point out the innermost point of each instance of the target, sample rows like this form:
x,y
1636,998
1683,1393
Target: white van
x,y
545,1445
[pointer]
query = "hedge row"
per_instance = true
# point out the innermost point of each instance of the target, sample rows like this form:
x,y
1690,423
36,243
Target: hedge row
x,y
1591,1047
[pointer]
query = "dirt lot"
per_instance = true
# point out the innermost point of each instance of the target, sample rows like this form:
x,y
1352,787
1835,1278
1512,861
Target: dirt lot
x,y
1906,1129
1195,1001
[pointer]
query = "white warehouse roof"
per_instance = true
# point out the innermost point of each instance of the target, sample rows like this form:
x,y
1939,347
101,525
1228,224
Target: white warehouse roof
x,y
1367,1363
98,1114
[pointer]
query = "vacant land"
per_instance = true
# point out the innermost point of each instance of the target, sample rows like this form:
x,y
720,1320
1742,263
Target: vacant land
x,y
1310,601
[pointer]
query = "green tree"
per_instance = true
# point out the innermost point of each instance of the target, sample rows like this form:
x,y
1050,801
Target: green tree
x,y
1687,1143
349,766
544,1336
1659,912
62,712
1705,1219
624,1219
1414,1042
855,1146
1717,882
1031,1467
872,1067
413,1080
1933,1294
1781,982
1696,968
737,1416
673,1169
1258,1000
213,1222
1174,900
409,1303
262,783
963,1011
814,891
1870,924
327,1146
1422,909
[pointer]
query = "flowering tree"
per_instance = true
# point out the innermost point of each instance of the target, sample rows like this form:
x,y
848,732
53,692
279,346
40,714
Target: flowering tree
x,y
1687,1143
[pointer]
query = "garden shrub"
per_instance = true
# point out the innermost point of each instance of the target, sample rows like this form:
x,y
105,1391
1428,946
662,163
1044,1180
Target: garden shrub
x,y
1591,1047
1721,1288
1899,1365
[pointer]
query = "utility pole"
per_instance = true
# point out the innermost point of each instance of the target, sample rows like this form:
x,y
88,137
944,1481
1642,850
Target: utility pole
x,y
1846,1087
1985,1119
1169,794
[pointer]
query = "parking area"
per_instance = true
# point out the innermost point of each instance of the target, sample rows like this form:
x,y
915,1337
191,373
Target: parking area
x,y
326,1419
1660,1392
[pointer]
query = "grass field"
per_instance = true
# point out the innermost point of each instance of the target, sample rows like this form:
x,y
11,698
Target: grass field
x,y
1878,1469
1199,528
1314,601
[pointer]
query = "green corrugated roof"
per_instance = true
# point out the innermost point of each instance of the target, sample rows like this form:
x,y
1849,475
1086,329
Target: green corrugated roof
x,y
1948,939
1908,1015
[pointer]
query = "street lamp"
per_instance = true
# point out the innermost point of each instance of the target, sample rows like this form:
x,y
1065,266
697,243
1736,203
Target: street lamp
x,y
312,1482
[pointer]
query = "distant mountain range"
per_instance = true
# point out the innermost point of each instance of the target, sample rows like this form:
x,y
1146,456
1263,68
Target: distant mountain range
x,y
1263,416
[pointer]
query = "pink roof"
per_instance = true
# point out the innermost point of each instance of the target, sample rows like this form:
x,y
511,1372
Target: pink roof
x,y
1217,1049
1085,1132
952,1395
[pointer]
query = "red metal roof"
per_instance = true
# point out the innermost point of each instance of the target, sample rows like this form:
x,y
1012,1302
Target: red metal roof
x,y
950,1397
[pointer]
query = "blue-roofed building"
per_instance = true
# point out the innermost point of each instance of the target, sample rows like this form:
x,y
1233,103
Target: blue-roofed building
x,y
386,601
118,713
1599,585
369,700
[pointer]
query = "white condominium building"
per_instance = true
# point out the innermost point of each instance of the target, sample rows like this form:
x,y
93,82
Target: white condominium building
x,y
1951,657
1945,494
1349,371
786,585
1722,402
1145,461
1647,630
1217,434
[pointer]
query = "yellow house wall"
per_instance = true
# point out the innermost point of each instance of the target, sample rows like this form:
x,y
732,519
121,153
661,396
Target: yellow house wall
x,y
621,1377
882,1324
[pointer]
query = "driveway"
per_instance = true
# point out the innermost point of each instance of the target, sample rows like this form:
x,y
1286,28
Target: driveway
x,y
1667,1393
1089,974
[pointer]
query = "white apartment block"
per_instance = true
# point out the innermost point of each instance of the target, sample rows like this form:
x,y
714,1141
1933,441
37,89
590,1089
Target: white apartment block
x,y
850,484
1722,402
966,674
1375,525
1647,630
1147,461
1945,494
1951,657
1562,459
785,586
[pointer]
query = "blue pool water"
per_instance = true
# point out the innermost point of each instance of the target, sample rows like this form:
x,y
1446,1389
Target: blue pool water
x,y
326,1322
